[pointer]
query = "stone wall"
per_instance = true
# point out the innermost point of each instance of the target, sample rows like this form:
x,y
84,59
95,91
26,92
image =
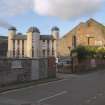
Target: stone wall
x,y
82,66
14,70
43,70
51,67
24,70
91,64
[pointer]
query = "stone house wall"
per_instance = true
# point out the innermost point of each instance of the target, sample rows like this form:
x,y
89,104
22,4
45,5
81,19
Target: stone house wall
x,y
24,70
89,33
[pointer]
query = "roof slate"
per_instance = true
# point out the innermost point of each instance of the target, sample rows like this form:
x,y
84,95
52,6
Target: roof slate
x,y
46,37
24,37
20,37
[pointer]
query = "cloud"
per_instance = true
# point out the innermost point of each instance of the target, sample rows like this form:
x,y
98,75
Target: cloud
x,y
67,9
15,7
60,8
5,24
10,8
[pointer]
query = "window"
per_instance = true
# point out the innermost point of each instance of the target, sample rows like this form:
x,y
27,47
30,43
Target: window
x,y
52,47
48,48
23,48
48,44
18,52
44,53
98,43
13,48
32,51
48,52
43,40
52,51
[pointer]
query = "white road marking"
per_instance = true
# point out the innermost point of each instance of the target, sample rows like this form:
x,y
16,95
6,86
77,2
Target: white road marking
x,y
100,94
53,96
43,84
14,102
94,98
88,101
91,99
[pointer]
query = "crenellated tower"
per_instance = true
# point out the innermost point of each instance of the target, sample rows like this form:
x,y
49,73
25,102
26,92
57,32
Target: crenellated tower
x,y
33,42
11,34
55,34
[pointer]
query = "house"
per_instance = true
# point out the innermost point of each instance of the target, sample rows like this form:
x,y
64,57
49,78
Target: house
x,y
89,33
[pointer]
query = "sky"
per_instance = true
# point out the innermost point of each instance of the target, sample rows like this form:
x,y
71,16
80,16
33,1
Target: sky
x,y
46,14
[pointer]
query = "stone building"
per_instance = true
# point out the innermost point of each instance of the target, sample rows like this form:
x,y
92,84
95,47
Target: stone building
x,y
33,44
89,33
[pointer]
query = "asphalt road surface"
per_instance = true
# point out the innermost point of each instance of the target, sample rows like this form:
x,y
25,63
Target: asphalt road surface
x,y
85,89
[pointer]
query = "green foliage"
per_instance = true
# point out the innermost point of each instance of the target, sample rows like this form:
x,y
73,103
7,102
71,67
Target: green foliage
x,y
85,52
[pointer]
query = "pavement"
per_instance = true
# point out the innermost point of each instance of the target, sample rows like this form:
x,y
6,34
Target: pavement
x,y
85,89
27,84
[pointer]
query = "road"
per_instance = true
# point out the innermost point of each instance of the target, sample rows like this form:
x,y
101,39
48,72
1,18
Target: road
x,y
85,89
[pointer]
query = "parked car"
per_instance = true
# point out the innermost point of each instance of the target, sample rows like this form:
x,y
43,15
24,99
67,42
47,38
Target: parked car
x,y
64,63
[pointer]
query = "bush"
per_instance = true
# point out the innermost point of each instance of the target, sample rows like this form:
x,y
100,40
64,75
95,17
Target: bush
x,y
85,52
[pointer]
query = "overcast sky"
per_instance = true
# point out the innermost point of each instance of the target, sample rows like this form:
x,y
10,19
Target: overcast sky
x,y
48,13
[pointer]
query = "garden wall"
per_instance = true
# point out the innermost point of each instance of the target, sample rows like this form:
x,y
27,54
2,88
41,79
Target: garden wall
x,y
24,70
82,66
91,64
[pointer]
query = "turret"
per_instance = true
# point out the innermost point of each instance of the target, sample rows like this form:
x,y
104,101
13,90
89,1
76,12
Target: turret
x,y
11,34
33,42
55,34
